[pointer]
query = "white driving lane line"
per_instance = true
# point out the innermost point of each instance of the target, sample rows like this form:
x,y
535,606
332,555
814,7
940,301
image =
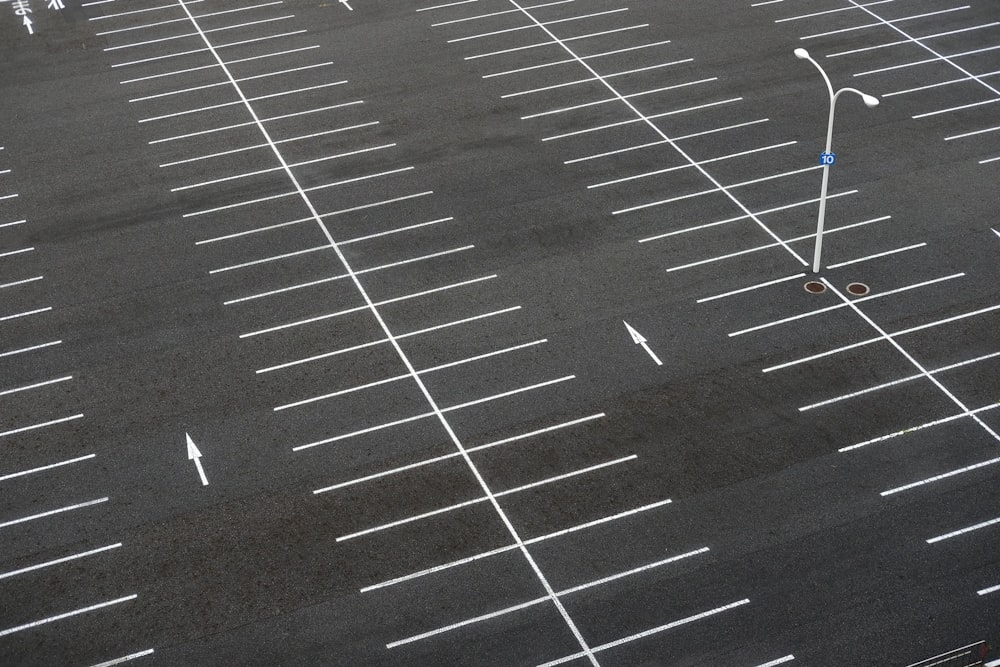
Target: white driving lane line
x,y
392,340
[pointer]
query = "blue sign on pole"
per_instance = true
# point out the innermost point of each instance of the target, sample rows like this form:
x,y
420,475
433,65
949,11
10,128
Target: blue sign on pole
x,y
828,159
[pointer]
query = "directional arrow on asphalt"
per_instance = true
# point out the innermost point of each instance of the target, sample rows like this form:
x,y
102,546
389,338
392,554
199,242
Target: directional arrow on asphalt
x,y
639,339
28,25
344,2
195,455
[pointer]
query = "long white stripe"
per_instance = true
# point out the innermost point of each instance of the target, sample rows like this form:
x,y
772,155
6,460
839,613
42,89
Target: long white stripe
x,y
57,561
46,467
42,515
935,478
35,624
963,531
126,658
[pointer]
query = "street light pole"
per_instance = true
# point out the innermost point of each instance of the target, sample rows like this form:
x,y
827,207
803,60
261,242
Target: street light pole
x,y
827,157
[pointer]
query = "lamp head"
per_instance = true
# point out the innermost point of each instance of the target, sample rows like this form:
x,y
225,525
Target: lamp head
x,y
801,53
869,100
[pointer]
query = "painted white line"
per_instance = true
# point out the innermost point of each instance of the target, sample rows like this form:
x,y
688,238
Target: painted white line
x,y
529,27
20,282
450,4
382,341
958,108
12,224
194,34
647,633
909,39
171,73
93,3
21,251
577,82
34,624
470,621
32,348
65,559
384,202
405,297
550,43
930,60
963,531
371,429
181,20
970,134
138,11
505,394
212,107
267,260
992,159
255,147
221,46
33,427
573,60
396,230
987,591
616,152
751,288
828,11
41,515
500,13
512,547
817,311
126,658
885,22
226,83
35,385
636,570
876,256
9,196
214,65
691,164
937,422
46,467
444,457
643,119
936,478
779,661
25,314
482,499
899,381
257,230
616,99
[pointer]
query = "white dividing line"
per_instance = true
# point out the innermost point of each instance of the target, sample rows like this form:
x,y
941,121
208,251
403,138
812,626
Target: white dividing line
x,y
828,11
958,108
577,82
881,22
211,107
48,467
9,196
663,141
930,60
524,605
33,427
34,624
41,515
382,341
267,260
987,591
688,166
491,14
396,230
937,422
450,4
970,134
529,27
136,11
838,306
126,658
12,224
893,383
401,354
876,256
891,336
159,23
645,119
194,34
25,314
647,633
616,99
936,478
779,661
22,350
751,288
20,282
572,60
908,40
65,559
343,276
226,83
555,41
512,547
21,251
396,378
34,385
452,455
963,531
214,65
255,147
483,499
221,46
257,230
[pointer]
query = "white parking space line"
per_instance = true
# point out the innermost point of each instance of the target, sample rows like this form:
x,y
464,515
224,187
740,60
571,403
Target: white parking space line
x,y
194,34
876,256
450,4
751,288
405,297
192,89
255,147
907,41
382,341
126,658
536,601
483,499
648,633
690,165
930,60
646,119
65,559
140,11
500,13
60,510
528,27
972,134
50,466
573,60
577,82
554,42
9,196
444,457
828,11
181,20
511,547
25,314
35,385
963,531
988,160
617,99
20,282
212,107
893,383
987,591
884,21
20,251
35,624
215,65
396,230
779,661
664,141
34,427
32,348
267,260
13,224
206,50
937,422
958,108
937,478
838,306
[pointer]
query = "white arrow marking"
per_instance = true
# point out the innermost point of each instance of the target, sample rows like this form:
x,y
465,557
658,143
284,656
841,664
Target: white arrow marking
x,y
344,2
195,455
639,339
27,24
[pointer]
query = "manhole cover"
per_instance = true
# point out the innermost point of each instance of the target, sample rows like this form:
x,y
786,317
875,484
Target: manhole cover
x,y
858,289
816,287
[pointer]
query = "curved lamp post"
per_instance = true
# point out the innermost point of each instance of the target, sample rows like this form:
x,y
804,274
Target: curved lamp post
x,y
828,157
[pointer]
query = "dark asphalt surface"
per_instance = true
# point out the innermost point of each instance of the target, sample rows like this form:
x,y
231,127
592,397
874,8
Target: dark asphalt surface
x,y
167,258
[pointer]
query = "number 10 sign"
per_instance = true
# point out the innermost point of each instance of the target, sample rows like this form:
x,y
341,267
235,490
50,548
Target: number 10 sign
x,y
828,159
